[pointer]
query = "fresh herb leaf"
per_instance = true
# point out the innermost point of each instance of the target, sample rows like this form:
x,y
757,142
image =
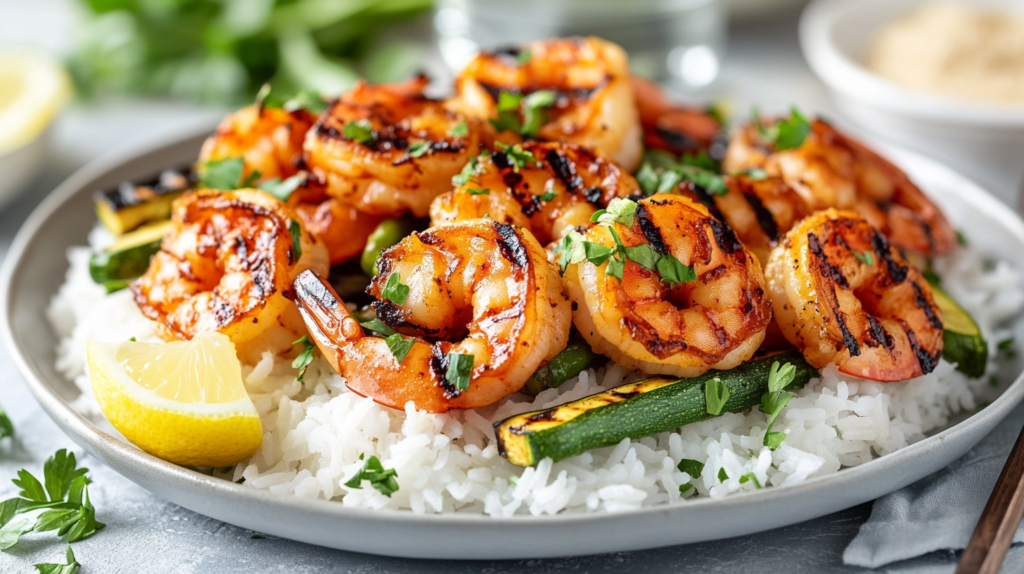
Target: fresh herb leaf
x,y
72,566
469,171
773,440
382,479
261,97
513,479
517,156
615,268
296,232
132,340
305,357
648,179
460,130
597,215
307,100
548,195
722,476
706,179
522,58
377,326
1006,347
865,257
701,161
508,102
478,191
399,346
222,174
533,111
780,376
360,131
789,133
419,149
394,290
684,488
59,471
508,112
620,210
12,531
750,477
540,99
716,395
30,486
6,427
691,467
673,271
596,253
669,180
283,189
643,255
571,249
754,173
460,367
960,239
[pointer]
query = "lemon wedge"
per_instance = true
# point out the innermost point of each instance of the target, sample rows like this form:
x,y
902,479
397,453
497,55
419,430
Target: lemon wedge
x,y
33,88
182,401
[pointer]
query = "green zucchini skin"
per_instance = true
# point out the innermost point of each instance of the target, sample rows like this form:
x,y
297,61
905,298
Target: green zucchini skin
x,y
644,408
574,359
969,352
124,265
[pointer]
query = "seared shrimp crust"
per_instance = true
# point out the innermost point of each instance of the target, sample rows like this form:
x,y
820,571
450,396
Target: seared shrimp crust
x,y
594,105
269,141
560,188
479,288
833,170
642,321
227,265
388,149
842,294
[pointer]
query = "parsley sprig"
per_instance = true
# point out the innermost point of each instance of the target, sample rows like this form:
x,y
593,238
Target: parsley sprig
x,y
382,479
295,230
359,131
460,368
394,290
6,427
530,108
779,377
716,394
63,496
72,566
661,172
517,156
574,249
469,171
305,357
283,189
788,133
226,173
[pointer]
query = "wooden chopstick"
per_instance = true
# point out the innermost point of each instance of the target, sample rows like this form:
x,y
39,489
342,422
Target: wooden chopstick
x,y
999,520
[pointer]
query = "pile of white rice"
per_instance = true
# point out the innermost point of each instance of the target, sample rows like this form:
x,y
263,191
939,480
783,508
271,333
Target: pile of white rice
x,y
314,433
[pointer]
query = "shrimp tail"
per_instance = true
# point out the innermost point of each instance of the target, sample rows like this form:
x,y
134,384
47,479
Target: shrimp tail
x,y
330,324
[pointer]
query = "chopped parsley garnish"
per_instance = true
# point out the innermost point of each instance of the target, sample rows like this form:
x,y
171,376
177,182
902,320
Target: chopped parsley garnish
x,y
283,189
960,239
133,340
359,131
684,488
789,133
72,566
460,130
305,357
673,271
772,402
517,156
508,113
616,267
716,394
754,173
6,427
750,477
722,476
533,107
548,195
399,346
524,57
597,253
865,257
222,174
661,172
478,191
296,232
648,179
469,171
643,255
702,177
620,210
394,290
669,180
378,326
63,496
419,149
1006,347
460,367
382,479
570,250
308,100
691,467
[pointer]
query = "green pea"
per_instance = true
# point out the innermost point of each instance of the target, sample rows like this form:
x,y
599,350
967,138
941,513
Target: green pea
x,y
389,232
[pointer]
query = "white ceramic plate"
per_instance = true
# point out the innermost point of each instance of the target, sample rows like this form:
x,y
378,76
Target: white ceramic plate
x,y
36,265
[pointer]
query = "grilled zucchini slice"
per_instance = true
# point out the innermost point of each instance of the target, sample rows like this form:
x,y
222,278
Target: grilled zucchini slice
x,y
129,206
128,257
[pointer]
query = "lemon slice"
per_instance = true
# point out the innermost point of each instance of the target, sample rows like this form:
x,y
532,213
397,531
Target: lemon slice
x,y
183,401
33,88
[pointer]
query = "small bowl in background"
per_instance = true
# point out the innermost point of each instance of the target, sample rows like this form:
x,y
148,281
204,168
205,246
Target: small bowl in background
x,y
984,140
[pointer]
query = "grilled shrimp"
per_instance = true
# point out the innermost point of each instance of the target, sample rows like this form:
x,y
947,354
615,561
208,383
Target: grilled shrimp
x,y
388,149
760,211
342,228
558,186
672,128
842,294
593,104
481,289
830,169
227,265
645,321
269,140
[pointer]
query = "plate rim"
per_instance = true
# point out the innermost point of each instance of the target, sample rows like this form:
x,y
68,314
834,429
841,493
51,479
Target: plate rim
x,y
107,448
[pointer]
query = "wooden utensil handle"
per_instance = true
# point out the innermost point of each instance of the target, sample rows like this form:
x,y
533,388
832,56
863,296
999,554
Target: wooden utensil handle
x,y
999,520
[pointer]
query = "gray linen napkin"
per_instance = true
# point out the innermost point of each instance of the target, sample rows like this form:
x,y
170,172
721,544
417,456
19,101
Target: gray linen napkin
x,y
938,512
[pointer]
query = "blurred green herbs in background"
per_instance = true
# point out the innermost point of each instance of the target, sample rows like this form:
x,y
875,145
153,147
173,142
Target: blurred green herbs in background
x,y
222,51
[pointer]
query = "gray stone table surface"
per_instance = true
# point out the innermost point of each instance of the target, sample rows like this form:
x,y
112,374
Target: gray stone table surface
x,y
145,533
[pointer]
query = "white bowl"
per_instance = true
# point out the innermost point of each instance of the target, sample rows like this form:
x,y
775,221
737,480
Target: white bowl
x,y
984,140
20,165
